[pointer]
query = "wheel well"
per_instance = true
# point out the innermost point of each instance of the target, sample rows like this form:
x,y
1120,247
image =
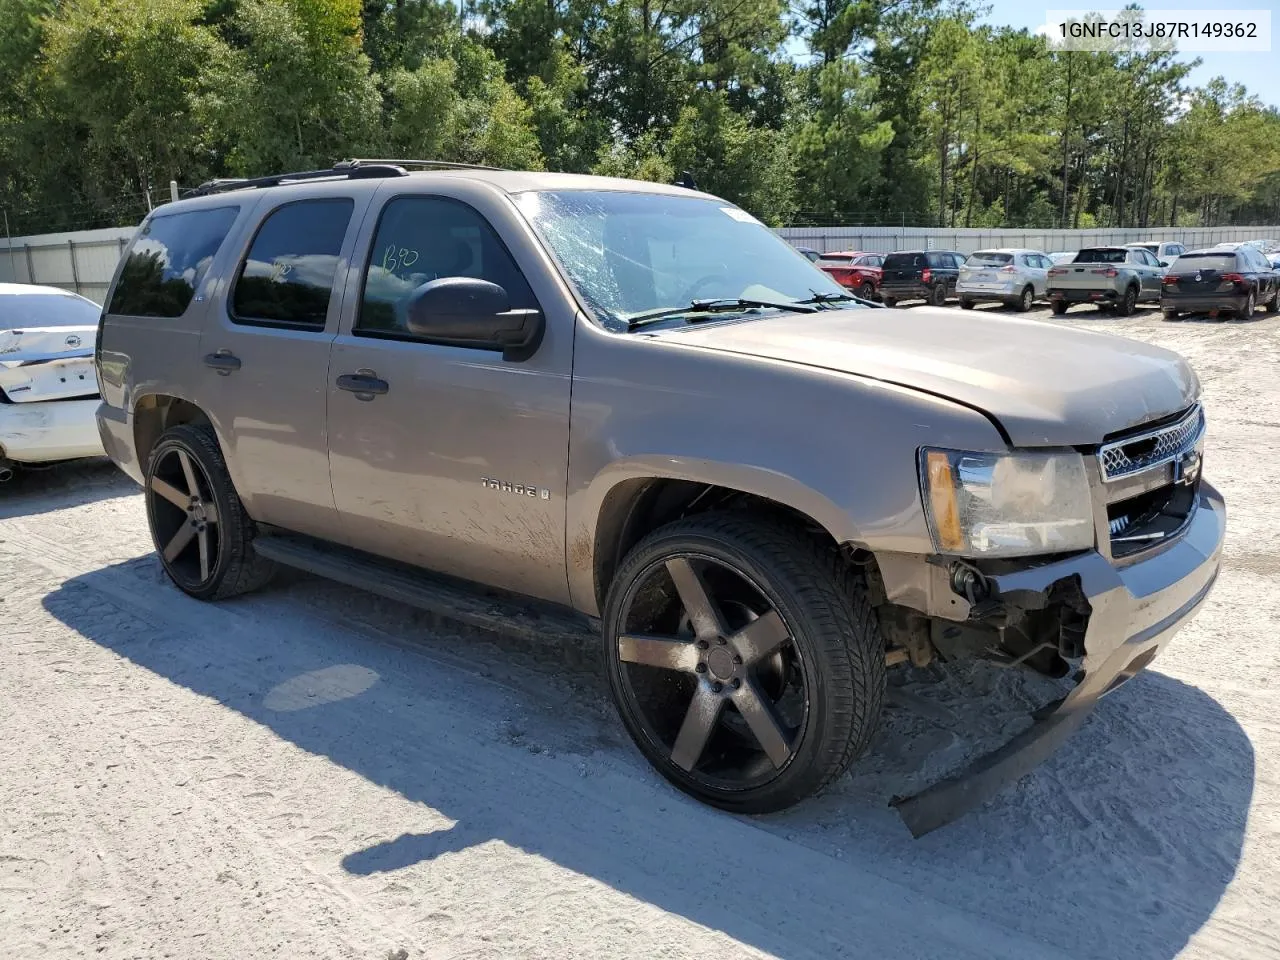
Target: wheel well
x,y
635,508
153,415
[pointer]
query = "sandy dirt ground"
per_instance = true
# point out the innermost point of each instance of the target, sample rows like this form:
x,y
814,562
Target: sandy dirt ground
x,y
312,772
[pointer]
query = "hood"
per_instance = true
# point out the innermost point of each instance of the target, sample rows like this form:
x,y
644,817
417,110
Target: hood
x,y
1044,383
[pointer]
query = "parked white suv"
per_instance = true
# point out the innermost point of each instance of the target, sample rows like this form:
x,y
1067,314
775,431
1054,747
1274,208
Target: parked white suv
x,y
48,388
1013,276
1166,251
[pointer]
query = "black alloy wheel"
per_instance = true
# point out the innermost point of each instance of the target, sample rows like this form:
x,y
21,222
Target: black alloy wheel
x,y
198,524
184,517
746,670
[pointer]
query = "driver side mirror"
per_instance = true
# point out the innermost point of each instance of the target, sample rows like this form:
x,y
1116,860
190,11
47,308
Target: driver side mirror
x,y
1164,263
466,312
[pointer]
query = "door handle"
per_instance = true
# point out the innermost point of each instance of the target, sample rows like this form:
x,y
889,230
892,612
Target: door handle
x,y
365,384
224,361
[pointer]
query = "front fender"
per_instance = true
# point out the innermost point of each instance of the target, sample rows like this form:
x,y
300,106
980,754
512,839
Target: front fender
x,y
838,448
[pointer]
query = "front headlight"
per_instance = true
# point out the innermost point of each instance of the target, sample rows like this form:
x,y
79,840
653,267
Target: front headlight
x,y
1006,504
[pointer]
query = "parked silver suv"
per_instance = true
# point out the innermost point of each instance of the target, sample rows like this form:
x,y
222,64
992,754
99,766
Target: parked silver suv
x,y
636,403
1012,276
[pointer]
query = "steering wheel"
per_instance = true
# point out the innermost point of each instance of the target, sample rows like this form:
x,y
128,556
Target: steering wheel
x,y
691,293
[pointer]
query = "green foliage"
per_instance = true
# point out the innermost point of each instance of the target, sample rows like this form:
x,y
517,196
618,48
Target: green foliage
x,y
851,111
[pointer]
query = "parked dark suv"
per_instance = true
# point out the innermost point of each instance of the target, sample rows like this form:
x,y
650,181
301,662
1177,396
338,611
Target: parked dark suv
x,y
575,399
920,275
1220,281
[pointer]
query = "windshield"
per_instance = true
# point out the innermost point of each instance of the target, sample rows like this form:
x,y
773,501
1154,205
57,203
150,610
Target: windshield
x,y
637,253
987,258
28,310
1101,256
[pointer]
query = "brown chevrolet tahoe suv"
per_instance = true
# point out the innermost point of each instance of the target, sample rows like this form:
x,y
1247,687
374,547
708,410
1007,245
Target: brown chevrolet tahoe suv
x,y
634,404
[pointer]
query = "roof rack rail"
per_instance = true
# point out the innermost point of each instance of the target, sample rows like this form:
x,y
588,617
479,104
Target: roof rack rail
x,y
430,164
354,169
347,169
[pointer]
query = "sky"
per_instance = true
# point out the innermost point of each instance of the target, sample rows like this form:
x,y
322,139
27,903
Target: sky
x,y
1259,72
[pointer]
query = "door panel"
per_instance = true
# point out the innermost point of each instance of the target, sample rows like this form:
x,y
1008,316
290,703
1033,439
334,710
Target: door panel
x,y
265,360
460,466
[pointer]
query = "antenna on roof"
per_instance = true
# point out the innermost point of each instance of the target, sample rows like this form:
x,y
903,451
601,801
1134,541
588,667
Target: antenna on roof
x,y
686,180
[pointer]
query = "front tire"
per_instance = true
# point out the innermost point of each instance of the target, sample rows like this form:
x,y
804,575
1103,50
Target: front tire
x,y
744,660
1273,305
198,524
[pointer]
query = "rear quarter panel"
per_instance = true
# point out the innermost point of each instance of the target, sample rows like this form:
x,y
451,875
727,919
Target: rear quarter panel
x,y
140,357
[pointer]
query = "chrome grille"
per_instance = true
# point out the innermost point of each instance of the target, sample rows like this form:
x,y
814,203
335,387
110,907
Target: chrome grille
x,y
1151,448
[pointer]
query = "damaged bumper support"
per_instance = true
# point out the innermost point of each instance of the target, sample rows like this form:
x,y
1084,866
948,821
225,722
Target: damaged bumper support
x,y
1136,609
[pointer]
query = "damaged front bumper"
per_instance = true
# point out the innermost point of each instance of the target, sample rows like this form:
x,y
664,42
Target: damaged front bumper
x,y
1135,610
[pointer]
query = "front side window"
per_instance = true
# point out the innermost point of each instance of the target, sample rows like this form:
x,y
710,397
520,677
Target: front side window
x,y
634,253
287,277
420,239
167,261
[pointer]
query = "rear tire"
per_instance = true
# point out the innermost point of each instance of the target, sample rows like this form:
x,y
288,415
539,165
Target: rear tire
x,y
1171,314
198,524
1273,305
1024,302
1129,303
1250,305
754,571
1059,307
938,295
966,303
867,292
890,301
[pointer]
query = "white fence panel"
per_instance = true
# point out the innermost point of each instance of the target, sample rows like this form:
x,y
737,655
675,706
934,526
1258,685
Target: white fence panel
x,y
83,261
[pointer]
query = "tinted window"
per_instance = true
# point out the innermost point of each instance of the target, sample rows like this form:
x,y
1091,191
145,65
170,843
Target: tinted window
x,y
420,239
1206,260
288,275
903,261
167,261
1101,256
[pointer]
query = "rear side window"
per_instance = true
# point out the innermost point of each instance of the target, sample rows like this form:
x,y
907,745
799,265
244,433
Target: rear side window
x,y
287,277
420,239
167,261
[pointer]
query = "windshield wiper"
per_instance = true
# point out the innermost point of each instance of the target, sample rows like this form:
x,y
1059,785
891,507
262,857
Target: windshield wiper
x,y
837,298
725,305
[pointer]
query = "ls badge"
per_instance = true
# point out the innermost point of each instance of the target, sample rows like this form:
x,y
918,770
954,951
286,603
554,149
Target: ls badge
x,y
519,489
